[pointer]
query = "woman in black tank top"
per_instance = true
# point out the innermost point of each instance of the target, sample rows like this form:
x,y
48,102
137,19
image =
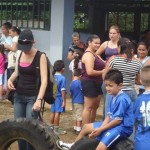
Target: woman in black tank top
x,y
27,103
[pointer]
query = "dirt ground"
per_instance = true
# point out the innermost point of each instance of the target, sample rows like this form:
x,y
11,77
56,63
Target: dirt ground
x,y
66,122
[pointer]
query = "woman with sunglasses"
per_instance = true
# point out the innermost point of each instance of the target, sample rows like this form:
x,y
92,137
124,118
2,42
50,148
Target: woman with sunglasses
x,y
27,103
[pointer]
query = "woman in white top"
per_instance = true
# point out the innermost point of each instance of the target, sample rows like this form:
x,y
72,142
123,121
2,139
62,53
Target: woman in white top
x,y
14,33
142,51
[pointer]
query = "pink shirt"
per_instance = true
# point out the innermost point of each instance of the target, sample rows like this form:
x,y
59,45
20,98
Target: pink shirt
x,y
2,64
24,64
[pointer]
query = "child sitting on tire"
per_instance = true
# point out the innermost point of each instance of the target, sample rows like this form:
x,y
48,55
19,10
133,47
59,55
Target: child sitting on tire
x,y
142,113
119,120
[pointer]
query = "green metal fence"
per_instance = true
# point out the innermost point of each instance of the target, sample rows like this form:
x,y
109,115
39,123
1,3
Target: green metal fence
x,y
34,14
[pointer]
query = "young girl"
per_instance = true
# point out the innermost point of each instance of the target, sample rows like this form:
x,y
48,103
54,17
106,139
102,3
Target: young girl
x,y
2,69
14,33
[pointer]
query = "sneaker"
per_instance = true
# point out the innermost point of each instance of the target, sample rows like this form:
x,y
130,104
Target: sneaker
x,y
77,132
63,146
58,131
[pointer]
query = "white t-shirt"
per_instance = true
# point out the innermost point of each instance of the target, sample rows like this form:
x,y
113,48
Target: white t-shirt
x,y
71,65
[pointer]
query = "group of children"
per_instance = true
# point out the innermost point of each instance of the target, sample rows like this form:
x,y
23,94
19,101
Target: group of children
x,y
60,101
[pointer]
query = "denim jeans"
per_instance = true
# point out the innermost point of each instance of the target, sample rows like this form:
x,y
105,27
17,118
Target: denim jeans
x,y
132,94
23,109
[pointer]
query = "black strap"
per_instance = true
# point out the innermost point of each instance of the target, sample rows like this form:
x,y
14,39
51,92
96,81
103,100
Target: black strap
x,y
40,114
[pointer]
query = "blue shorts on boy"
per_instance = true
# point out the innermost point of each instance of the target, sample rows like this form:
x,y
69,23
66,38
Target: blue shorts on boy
x,y
119,108
61,86
142,118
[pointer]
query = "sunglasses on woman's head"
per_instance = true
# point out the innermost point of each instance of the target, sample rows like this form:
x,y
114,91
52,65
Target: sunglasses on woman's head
x,y
24,42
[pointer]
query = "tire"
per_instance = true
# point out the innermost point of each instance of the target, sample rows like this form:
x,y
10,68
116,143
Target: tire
x,y
91,144
37,133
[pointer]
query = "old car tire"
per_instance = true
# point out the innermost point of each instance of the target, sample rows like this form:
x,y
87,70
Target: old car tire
x,y
37,133
91,144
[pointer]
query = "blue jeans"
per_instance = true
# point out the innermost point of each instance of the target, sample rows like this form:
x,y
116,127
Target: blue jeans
x,y
23,109
132,94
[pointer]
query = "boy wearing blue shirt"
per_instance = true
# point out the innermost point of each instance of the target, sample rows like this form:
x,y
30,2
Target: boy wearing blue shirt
x,y
119,120
60,101
142,113
77,99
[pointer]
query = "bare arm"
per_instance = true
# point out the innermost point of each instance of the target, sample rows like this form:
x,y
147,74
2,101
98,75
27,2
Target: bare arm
x,y
88,59
101,48
148,62
63,93
137,79
11,48
70,55
105,127
43,76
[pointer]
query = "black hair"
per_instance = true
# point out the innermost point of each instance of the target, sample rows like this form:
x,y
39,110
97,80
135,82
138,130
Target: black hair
x,y
114,75
77,72
143,43
16,29
58,65
2,49
7,25
79,54
92,37
126,47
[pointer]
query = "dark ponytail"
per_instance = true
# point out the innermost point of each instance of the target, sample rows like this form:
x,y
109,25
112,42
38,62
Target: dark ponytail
x,y
79,53
126,47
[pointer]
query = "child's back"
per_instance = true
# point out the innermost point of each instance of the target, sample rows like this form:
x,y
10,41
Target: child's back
x,y
142,118
76,92
142,113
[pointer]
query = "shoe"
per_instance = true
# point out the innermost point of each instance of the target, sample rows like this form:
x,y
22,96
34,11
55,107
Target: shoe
x,y
63,146
77,132
58,131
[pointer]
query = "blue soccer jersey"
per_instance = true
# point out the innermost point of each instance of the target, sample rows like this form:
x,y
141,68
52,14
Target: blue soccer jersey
x,y
121,108
76,92
142,119
61,86
61,83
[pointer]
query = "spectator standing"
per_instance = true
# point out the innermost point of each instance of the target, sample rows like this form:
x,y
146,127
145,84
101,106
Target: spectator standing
x,y
110,48
146,37
12,54
2,70
77,100
6,38
142,113
124,62
77,44
27,103
60,101
92,69
142,50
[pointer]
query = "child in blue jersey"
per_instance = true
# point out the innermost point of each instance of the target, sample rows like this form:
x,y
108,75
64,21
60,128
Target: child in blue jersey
x,y
142,113
60,101
77,99
119,120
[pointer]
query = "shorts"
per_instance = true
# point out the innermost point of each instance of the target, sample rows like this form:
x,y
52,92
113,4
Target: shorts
x,y
107,137
77,111
91,88
57,105
2,77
